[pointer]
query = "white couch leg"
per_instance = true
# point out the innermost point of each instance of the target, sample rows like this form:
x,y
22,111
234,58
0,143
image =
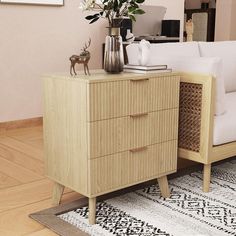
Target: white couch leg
x,y
206,177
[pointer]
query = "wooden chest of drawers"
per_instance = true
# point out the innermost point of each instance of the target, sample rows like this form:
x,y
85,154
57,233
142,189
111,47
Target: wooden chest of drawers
x,y
106,132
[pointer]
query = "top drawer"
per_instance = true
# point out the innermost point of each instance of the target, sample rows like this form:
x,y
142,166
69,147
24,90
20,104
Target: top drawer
x,y
122,98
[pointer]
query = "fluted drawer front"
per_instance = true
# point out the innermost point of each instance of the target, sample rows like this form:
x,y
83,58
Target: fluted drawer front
x,y
108,100
139,95
117,99
117,135
121,98
163,125
121,134
163,93
127,168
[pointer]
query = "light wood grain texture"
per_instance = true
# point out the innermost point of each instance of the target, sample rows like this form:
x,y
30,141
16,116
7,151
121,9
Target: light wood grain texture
x,y
117,99
124,169
128,97
37,143
139,96
15,171
164,187
43,232
22,193
25,194
122,134
26,134
108,136
190,155
208,153
108,100
65,133
21,147
9,125
163,93
223,151
103,134
7,181
206,177
31,136
21,208
25,225
92,211
163,125
99,76
58,190
21,159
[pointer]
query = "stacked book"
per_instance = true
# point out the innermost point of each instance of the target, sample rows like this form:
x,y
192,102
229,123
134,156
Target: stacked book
x,y
146,69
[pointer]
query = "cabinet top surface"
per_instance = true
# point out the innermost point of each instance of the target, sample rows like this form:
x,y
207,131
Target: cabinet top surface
x,y
101,76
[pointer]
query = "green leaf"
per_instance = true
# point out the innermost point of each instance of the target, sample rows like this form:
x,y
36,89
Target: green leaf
x,y
140,1
132,17
90,17
138,12
94,20
131,9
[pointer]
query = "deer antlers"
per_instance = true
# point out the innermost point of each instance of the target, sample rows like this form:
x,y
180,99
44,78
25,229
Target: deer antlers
x,y
87,46
82,58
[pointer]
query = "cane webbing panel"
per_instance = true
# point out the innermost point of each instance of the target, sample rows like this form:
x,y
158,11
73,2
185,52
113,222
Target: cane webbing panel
x,y
190,116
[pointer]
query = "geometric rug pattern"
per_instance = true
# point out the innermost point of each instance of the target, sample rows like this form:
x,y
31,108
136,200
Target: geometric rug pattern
x,y
188,211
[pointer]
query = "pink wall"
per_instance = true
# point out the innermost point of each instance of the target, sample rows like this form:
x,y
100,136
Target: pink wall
x,y
195,4
36,40
225,20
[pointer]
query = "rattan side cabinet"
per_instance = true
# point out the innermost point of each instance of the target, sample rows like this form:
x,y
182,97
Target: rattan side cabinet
x,y
107,132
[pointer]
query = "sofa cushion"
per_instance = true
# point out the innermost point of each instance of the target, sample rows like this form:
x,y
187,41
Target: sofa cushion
x,y
188,49
225,125
210,66
227,52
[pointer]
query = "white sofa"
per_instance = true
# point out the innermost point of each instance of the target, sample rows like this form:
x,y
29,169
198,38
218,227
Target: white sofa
x,y
209,69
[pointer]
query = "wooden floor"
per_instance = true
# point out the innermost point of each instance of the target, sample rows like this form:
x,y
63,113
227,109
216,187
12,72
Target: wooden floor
x,y
23,187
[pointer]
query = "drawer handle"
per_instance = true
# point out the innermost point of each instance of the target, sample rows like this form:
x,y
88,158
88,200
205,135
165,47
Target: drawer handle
x,y
140,149
139,80
139,115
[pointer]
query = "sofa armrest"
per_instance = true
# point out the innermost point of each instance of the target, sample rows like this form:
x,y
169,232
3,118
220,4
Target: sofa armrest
x,y
196,116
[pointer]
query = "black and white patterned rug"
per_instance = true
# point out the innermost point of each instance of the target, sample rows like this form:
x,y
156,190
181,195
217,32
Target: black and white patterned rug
x,y
188,212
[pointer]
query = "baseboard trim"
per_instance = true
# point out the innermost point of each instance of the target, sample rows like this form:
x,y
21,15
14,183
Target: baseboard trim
x,y
32,122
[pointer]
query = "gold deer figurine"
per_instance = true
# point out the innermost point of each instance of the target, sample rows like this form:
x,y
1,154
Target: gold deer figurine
x,y
83,58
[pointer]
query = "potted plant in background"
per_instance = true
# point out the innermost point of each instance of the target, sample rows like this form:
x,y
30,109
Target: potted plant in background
x,y
114,11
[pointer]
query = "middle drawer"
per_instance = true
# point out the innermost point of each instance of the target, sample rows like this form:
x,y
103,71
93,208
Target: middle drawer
x,y
121,134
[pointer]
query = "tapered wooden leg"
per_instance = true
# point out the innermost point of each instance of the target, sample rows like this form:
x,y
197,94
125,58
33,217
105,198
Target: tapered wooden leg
x,y
92,211
57,194
164,187
206,177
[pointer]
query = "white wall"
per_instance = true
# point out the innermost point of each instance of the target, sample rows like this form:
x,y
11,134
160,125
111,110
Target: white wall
x,y
37,40
175,10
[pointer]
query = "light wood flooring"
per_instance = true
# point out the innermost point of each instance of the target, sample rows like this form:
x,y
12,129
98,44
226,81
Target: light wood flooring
x,y
23,187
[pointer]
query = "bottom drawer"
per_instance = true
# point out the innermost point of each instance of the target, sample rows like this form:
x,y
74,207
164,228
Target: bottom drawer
x,y
128,168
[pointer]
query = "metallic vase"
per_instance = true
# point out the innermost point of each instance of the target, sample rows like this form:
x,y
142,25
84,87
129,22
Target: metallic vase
x,y
113,55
